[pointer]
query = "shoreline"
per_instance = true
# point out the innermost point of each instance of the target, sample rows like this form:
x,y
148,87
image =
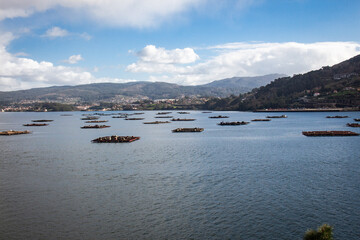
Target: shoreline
x,y
309,110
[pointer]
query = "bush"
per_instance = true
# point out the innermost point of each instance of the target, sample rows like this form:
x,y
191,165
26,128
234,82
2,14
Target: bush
x,y
324,232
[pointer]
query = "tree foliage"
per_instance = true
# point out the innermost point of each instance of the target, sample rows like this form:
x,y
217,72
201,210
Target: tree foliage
x,y
324,232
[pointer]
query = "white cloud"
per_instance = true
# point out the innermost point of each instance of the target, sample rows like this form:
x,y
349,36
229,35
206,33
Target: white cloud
x,y
160,55
23,73
251,59
74,59
56,32
133,13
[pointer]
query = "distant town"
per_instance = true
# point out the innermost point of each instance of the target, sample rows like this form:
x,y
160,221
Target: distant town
x,y
134,104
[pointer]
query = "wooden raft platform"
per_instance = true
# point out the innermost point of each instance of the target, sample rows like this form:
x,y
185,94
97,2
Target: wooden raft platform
x,y
183,119
95,126
353,124
35,124
12,132
232,123
42,120
115,139
219,116
156,122
329,133
188,130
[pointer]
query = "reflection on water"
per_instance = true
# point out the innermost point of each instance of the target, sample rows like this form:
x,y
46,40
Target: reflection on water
x,y
263,180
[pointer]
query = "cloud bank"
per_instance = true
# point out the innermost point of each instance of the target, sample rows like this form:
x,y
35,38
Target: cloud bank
x,y
248,59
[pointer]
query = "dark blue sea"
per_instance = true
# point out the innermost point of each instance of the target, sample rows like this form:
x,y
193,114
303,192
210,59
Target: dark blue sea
x,y
264,180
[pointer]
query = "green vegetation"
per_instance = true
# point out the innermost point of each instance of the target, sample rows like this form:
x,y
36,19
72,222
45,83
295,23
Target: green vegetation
x,y
324,232
53,107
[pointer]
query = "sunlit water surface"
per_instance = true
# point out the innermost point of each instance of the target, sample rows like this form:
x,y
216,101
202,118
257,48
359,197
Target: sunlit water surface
x,y
264,180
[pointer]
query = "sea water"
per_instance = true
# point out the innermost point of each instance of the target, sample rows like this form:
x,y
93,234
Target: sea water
x,y
264,180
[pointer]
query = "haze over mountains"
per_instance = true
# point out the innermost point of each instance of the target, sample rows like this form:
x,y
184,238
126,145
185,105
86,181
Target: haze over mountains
x,y
117,92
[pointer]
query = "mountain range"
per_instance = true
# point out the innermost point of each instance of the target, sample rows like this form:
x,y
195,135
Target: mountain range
x,y
122,92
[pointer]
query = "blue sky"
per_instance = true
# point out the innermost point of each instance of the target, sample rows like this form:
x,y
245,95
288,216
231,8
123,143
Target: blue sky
x,y
65,42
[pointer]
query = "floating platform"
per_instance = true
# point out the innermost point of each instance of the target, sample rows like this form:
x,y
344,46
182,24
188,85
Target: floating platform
x,y
156,122
183,119
102,114
115,139
90,118
164,117
188,130
353,124
35,124
96,126
337,116
281,116
232,123
219,116
261,120
12,132
42,120
134,118
97,121
162,113
329,133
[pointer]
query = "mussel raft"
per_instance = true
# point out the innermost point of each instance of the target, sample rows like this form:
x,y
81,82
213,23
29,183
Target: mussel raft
x,y
35,124
183,119
134,118
188,130
232,123
162,113
261,120
281,116
353,124
97,121
12,132
156,122
337,116
329,133
90,118
42,120
95,126
219,116
115,139
164,117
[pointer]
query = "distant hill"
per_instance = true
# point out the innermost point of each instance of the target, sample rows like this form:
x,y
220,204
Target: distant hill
x,y
336,86
244,83
120,92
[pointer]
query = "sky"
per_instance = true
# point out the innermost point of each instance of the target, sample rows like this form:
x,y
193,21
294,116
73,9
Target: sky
x,y
189,42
